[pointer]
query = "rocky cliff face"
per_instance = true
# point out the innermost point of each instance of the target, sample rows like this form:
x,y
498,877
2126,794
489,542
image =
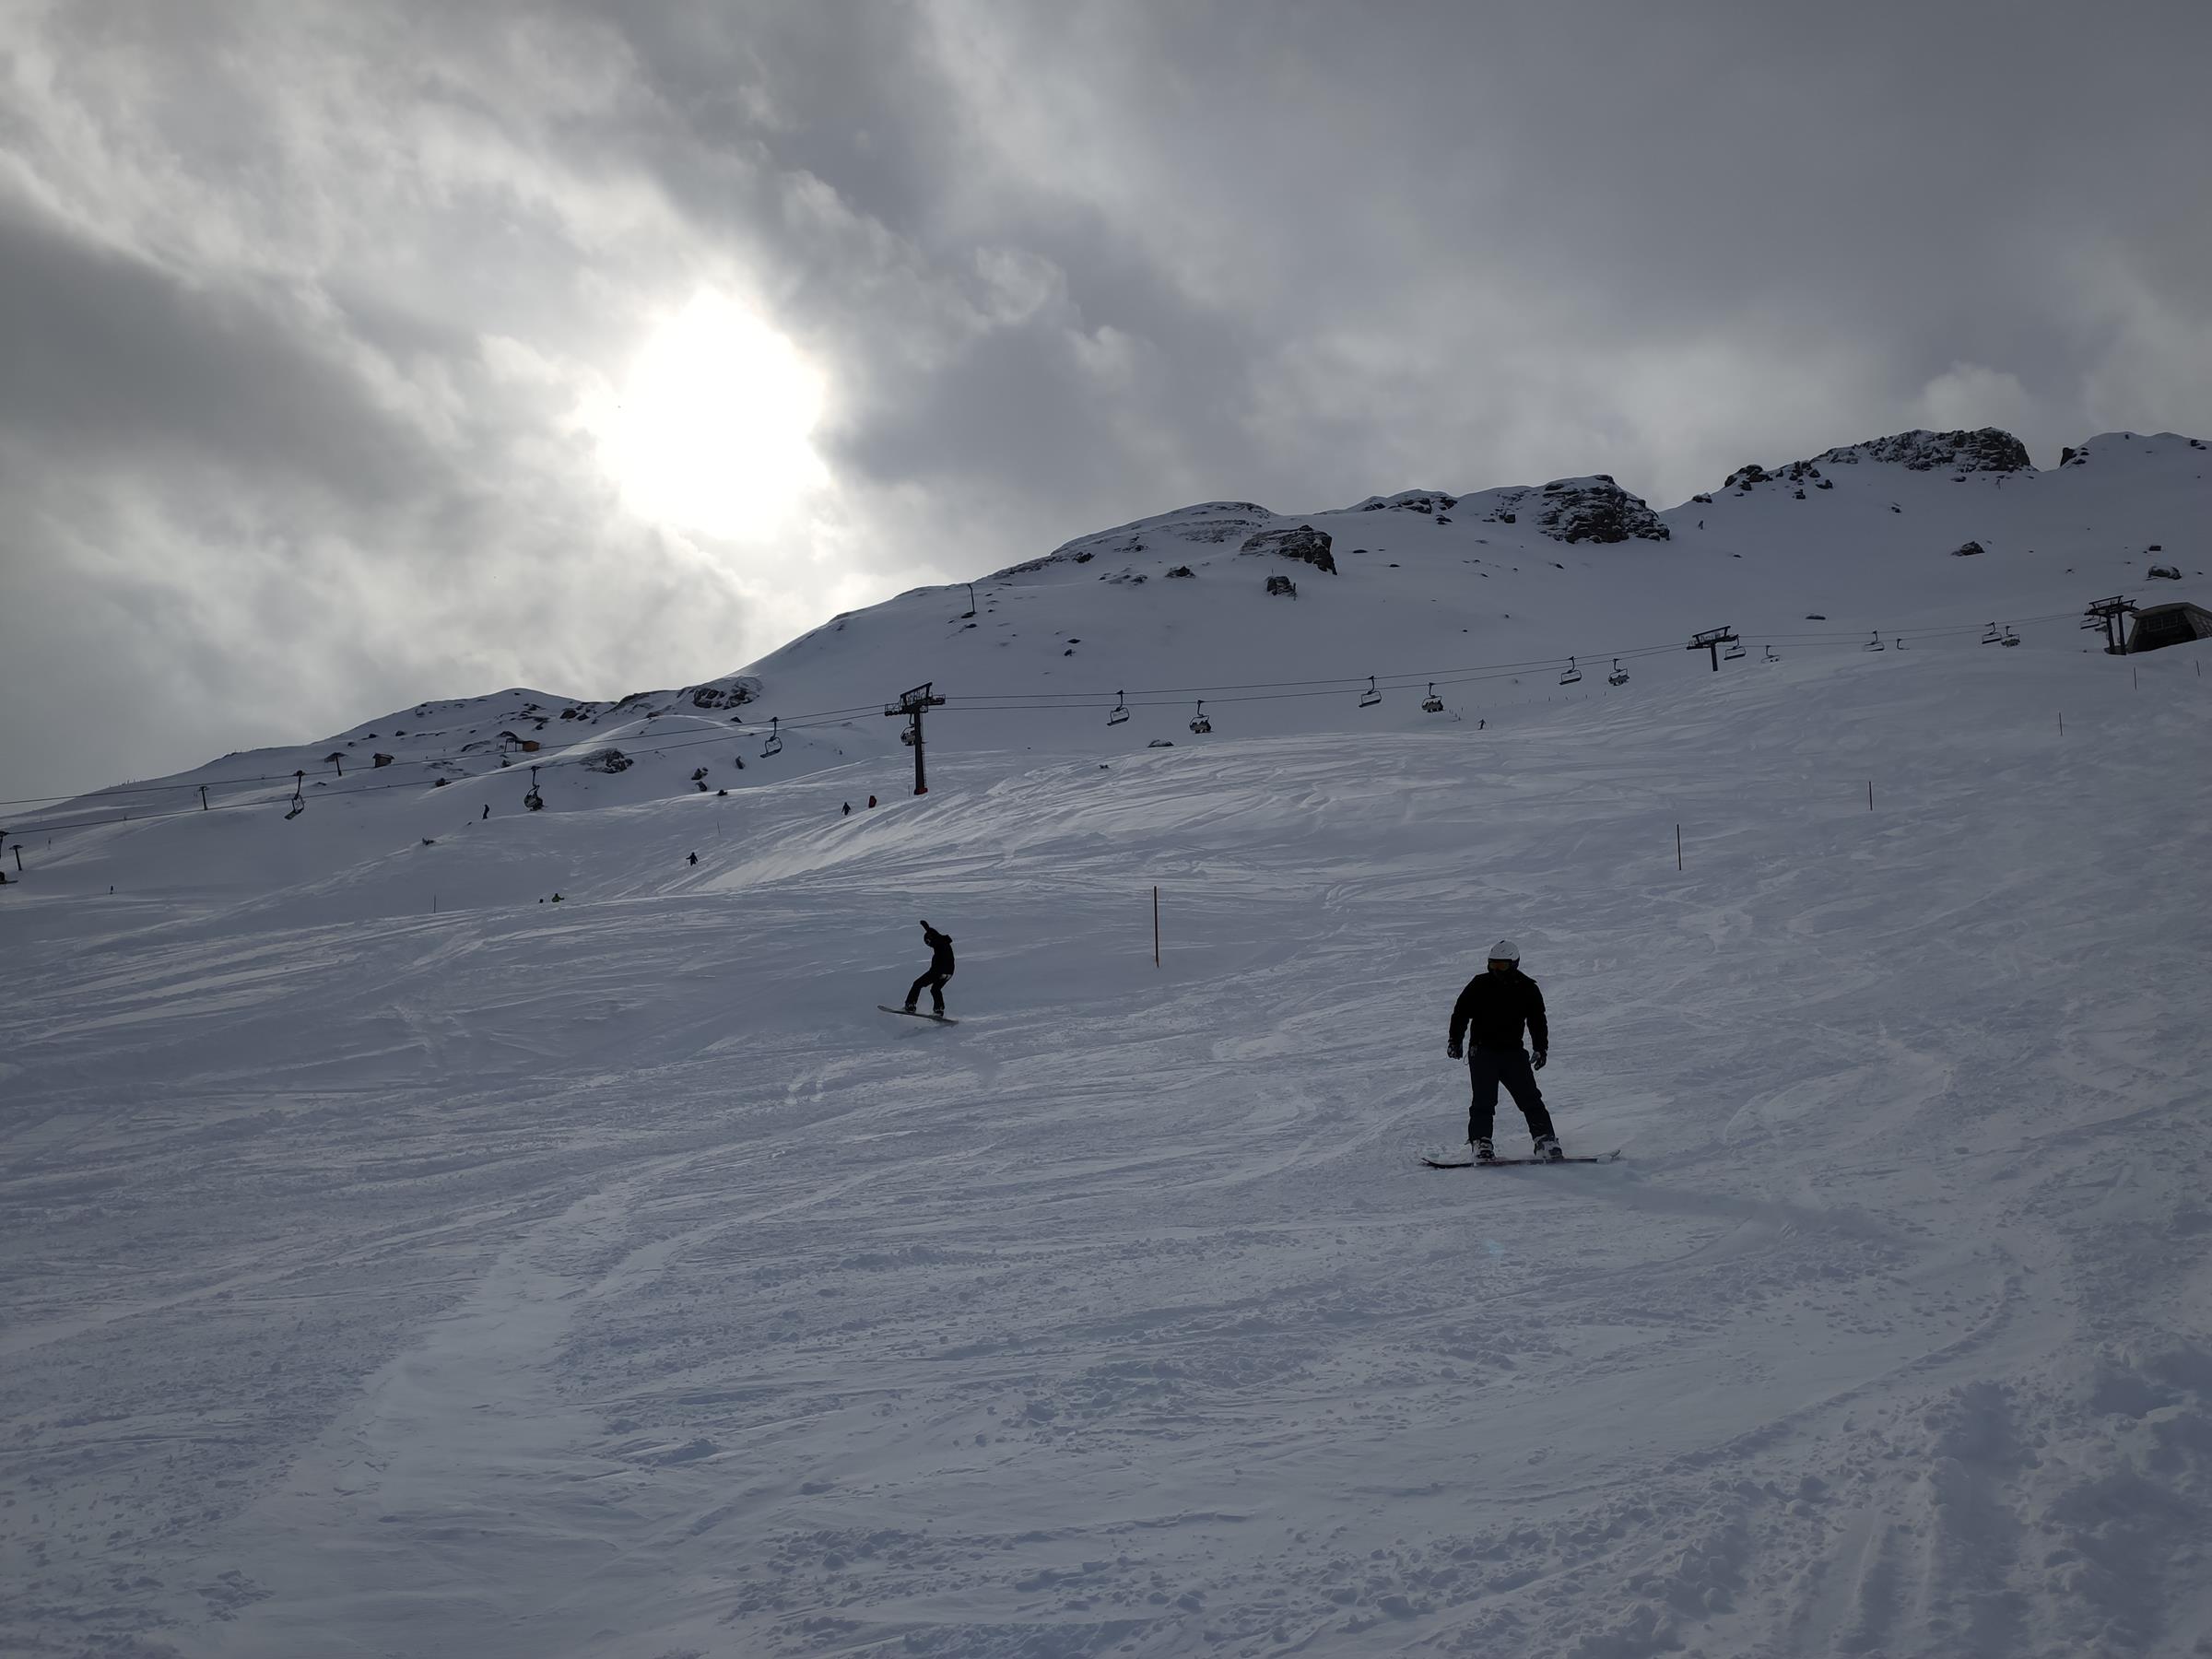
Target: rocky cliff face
x,y
1429,502
1593,509
1302,542
1986,449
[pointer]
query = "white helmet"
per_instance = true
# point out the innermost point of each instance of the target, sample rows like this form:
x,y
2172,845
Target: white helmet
x,y
1505,951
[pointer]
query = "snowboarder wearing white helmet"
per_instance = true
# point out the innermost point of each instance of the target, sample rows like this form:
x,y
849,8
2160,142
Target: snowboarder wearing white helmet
x,y
1493,1008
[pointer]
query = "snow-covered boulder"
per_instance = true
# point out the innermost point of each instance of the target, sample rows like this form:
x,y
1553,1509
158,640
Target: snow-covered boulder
x,y
1300,542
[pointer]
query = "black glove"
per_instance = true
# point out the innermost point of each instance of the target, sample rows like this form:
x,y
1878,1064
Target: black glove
x,y
1451,1051
1538,1058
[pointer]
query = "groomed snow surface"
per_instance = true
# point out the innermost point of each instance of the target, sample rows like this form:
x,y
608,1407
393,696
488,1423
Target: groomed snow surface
x,y
610,1279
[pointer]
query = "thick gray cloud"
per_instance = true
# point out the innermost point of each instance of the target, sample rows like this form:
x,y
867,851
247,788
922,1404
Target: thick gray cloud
x,y
330,330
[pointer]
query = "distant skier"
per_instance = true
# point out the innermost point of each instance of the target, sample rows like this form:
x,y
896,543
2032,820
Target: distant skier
x,y
940,969
1495,1007
848,812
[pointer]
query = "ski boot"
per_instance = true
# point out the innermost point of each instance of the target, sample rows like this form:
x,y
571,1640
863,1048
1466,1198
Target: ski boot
x,y
1484,1152
1548,1150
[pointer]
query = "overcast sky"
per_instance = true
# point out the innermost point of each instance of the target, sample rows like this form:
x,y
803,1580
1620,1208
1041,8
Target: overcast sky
x,y
359,353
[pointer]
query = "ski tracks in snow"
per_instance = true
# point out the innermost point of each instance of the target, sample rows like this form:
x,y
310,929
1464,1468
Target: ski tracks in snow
x,y
613,1282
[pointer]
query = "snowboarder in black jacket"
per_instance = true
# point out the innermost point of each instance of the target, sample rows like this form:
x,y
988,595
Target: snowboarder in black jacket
x,y
940,969
1494,1008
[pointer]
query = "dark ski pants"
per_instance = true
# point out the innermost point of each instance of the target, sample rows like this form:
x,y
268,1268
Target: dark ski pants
x,y
936,982
1487,1068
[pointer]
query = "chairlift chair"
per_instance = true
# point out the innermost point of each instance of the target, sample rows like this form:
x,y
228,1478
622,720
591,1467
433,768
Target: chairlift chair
x,y
2010,638
1573,676
1200,724
1433,703
1371,697
1770,657
298,800
1734,650
1619,677
774,746
1120,710
1991,637
534,801
1874,643
1898,641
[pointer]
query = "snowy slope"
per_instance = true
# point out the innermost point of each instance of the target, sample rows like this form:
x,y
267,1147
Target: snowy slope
x,y
400,1265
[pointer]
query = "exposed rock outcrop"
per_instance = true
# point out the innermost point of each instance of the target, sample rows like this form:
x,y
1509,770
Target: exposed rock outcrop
x,y
1410,501
1986,449
1598,509
1301,542
1967,549
1209,523
730,694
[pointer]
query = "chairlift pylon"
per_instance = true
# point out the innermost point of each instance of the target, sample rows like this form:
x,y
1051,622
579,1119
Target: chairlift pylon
x,y
1120,710
1433,703
1619,677
774,746
1200,724
1573,676
1371,697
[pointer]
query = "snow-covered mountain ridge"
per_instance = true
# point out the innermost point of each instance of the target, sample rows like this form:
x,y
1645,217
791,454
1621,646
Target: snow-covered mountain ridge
x,y
1487,594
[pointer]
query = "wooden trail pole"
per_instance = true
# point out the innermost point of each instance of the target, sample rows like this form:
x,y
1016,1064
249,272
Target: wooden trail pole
x,y
1677,846
1870,794
1155,926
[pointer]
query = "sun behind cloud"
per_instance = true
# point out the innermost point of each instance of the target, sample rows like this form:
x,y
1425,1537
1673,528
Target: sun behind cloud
x,y
711,430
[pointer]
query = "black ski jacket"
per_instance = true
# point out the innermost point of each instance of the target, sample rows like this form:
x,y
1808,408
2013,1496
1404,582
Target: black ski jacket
x,y
940,945
1495,1006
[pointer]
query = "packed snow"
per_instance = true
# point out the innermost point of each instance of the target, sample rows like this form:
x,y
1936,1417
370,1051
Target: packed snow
x,y
401,1260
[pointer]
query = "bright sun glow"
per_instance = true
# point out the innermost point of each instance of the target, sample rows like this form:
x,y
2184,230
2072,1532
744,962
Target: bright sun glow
x,y
711,431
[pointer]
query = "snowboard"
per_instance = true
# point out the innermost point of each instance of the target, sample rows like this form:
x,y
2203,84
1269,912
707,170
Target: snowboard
x,y
1506,1162
917,1013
